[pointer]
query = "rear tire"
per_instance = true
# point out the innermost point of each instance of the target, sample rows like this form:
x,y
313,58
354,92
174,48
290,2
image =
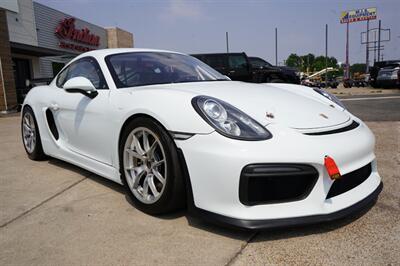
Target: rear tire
x,y
31,136
150,167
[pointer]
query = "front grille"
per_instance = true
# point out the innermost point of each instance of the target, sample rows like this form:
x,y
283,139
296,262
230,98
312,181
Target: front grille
x,y
335,131
274,183
349,181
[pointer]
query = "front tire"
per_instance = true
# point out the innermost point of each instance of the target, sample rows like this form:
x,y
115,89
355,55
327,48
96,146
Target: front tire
x,y
31,136
149,167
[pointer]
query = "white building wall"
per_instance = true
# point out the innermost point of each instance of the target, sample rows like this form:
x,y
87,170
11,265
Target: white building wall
x,y
21,25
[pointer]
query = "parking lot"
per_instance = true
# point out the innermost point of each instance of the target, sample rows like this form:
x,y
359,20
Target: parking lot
x,y
52,212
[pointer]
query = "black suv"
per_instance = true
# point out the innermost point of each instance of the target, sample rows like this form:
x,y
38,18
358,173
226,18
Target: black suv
x,y
286,74
237,66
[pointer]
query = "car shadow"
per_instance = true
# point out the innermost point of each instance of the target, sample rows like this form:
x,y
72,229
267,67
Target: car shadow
x,y
234,233
319,228
92,176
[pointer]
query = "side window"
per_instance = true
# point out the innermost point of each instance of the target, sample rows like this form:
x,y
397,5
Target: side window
x,y
61,79
257,63
237,61
85,67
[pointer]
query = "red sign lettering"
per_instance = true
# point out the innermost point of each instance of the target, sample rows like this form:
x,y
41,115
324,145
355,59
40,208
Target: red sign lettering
x,y
66,30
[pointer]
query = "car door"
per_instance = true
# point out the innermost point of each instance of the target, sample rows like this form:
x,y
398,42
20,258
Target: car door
x,y
83,122
218,62
239,67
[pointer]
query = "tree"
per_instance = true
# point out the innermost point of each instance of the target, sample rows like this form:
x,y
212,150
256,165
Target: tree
x,y
293,61
309,62
358,67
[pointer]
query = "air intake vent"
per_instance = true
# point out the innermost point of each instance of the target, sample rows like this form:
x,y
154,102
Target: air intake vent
x,y
52,124
274,183
343,129
349,181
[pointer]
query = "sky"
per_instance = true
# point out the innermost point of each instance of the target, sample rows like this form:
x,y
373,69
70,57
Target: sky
x,y
200,26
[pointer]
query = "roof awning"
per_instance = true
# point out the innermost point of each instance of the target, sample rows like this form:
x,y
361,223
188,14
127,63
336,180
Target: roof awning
x,y
26,49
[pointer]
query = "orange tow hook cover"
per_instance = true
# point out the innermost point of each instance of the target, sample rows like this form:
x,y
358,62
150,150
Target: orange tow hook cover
x,y
332,168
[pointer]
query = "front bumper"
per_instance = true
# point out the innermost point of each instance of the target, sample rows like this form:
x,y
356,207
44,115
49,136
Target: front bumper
x,y
289,222
215,163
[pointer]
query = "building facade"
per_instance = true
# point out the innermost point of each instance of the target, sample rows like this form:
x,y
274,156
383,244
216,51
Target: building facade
x,y
36,41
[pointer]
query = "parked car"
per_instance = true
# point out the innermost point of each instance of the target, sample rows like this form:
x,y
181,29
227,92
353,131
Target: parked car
x,y
389,76
176,132
237,66
375,70
286,74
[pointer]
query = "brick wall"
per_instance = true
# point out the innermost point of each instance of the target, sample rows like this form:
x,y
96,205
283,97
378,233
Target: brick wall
x,y
6,64
118,38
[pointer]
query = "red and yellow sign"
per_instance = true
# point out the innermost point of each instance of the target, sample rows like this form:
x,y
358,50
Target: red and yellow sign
x,y
358,15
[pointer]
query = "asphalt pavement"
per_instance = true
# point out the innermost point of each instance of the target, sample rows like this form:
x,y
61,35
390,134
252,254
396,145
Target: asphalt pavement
x,y
374,107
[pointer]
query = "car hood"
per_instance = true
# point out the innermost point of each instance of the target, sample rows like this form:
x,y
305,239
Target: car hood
x,y
298,107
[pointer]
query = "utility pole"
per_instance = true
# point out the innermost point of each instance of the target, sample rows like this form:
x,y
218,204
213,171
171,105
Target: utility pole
x,y
379,40
367,45
374,46
276,46
227,42
326,55
347,74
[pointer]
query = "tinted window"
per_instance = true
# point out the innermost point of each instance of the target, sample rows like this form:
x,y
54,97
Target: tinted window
x,y
257,62
85,67
146,68
237,61
217,61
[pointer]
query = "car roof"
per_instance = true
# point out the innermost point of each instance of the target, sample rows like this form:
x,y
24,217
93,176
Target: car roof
x,y
219,54
110,51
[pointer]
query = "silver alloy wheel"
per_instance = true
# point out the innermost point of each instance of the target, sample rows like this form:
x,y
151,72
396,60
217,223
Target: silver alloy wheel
x,y
29,132
145,165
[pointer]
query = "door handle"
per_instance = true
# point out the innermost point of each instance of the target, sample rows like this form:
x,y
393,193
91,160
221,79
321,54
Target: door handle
x,y
54,107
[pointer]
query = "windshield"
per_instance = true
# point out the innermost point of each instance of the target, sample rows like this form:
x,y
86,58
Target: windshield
x,y
147,68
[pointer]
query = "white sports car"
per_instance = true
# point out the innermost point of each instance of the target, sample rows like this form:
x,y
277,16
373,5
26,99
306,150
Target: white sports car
x,y
175,132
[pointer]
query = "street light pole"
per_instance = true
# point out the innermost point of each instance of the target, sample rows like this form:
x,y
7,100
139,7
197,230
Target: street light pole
x,y
276,46
326,55
379,40
227,42
374,46
367,55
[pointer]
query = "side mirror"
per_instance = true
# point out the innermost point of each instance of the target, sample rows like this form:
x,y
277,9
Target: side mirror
x,y
80,85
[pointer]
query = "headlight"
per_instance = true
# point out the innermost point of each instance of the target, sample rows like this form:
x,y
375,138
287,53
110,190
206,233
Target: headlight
x,y
330,96
228,120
